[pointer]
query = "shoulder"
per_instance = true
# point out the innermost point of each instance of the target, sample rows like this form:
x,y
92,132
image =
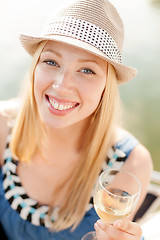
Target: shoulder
x,y
139,153
140,164
8,110
124,141
139,161
121,133
138,157
141,157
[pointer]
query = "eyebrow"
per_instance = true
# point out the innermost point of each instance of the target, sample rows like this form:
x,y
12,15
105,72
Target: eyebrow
x,y
52,51
88,60
80,60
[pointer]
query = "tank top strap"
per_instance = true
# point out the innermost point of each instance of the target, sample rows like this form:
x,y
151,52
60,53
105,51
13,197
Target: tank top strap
x,y
126,144
118,153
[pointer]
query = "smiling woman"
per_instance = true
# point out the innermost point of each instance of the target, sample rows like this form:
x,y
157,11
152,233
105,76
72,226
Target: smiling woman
x,y
68,84
66,130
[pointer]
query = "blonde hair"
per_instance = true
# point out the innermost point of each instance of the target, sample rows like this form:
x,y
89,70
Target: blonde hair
x,y
98,139
27,127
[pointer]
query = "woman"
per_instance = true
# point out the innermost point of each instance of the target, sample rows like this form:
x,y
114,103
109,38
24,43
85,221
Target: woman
x,y
65,131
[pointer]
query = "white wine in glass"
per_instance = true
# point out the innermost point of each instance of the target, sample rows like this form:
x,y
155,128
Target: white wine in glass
x,y
115,196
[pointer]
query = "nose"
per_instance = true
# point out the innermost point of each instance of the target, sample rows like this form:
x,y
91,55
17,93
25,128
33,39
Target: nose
x,y
63,81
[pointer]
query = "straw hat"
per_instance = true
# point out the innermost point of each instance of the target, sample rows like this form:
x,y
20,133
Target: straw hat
x,y
93,25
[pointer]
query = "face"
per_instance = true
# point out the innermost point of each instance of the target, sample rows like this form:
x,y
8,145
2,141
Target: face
x,y
68,85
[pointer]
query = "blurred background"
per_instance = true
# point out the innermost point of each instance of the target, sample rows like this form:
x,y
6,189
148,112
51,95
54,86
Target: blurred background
x,y
141,96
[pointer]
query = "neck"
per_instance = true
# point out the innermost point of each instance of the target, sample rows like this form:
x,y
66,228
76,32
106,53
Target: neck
x,y
63,143
66,137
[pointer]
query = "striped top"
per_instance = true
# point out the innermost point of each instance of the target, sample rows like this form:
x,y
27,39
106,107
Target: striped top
x,y
31,211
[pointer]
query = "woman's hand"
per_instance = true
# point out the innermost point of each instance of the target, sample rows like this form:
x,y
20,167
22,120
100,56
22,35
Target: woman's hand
x,y
120,230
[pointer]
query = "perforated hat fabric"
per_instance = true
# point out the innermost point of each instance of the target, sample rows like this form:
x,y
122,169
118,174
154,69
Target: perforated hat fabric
x,y
94,26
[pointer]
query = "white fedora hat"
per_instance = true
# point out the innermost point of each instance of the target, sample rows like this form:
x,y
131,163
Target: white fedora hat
x,y
93,25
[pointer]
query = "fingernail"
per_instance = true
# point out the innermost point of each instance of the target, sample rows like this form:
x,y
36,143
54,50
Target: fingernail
x,y
99,223
96,225
117,223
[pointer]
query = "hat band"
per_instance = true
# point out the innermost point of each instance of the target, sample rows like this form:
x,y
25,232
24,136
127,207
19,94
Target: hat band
x,y
86,32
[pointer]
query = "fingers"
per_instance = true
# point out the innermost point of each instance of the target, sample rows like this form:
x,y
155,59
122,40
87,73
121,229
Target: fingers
x,y
128,227
100,233
123,230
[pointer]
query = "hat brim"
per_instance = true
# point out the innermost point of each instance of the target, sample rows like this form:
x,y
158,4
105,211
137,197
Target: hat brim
x,y
124,73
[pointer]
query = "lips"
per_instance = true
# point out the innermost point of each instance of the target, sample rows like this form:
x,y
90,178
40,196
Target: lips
x,y
61,105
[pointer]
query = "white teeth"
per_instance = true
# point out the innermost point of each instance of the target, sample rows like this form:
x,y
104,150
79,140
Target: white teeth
x,y
55,105
61,106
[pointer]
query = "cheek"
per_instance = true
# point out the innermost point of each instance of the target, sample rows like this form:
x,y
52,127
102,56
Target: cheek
x,y
94,91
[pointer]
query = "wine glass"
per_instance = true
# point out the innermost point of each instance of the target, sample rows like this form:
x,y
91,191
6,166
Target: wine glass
x,y
115,196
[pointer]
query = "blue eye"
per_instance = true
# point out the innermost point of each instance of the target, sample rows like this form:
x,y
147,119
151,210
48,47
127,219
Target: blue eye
x,y
87,71
51,63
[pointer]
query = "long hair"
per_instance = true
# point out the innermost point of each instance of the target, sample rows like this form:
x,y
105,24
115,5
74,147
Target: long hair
x,y
97,141
27,127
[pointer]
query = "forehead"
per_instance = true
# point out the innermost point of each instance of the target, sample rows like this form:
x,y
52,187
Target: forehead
x,y
67,48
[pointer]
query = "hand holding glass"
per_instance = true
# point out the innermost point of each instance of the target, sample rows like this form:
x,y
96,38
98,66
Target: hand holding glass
x,y
115,197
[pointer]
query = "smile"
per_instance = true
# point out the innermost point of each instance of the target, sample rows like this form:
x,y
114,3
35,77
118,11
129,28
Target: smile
x,y
61,106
